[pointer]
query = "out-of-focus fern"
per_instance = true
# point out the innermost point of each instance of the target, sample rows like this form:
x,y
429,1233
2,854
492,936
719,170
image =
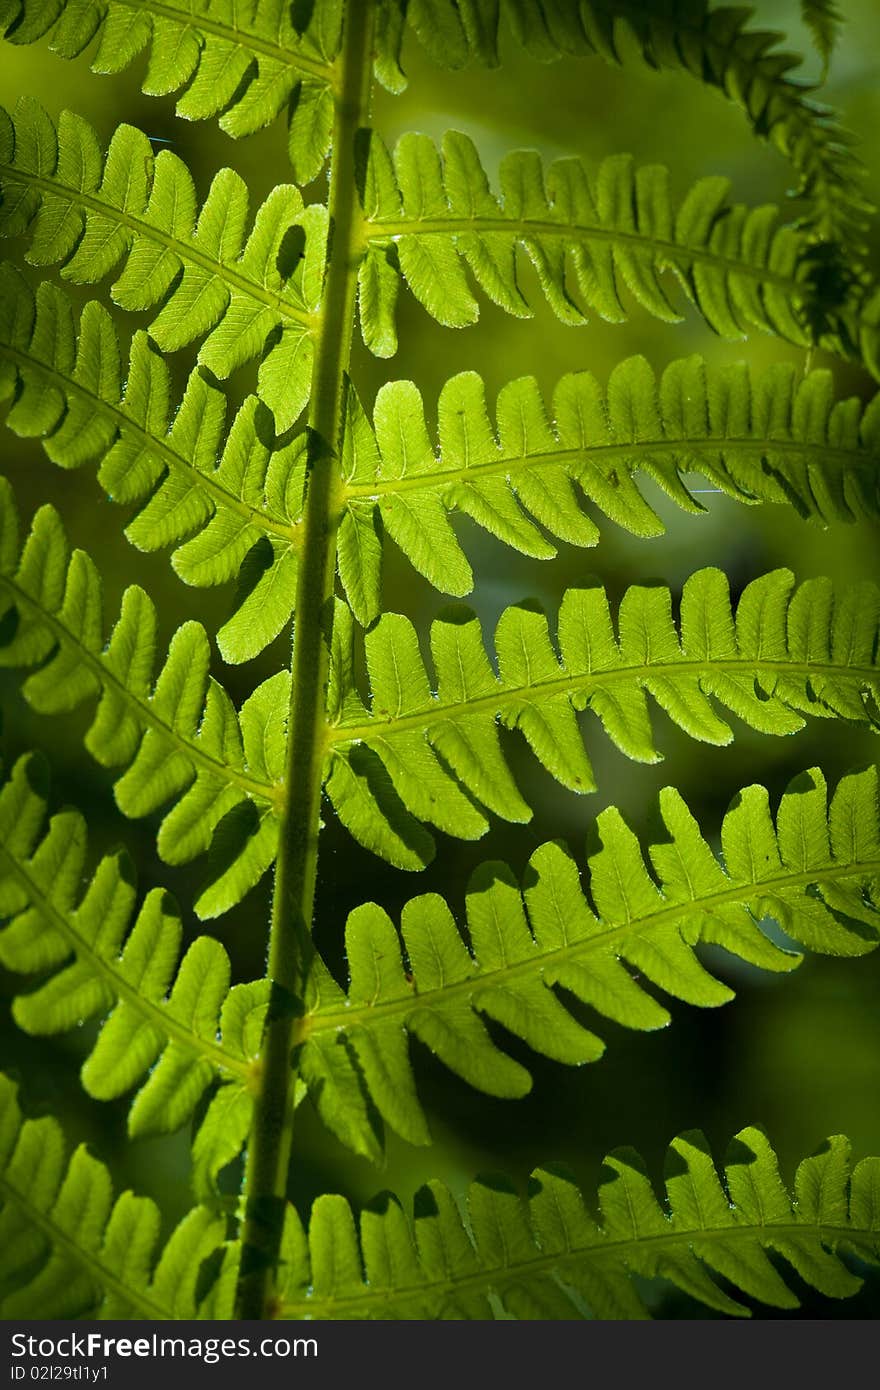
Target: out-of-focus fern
x,y
824,21
292,493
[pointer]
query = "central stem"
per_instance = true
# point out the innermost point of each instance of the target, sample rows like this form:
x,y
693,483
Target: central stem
x,y
293,902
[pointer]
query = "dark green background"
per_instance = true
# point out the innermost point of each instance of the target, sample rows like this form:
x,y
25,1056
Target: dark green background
x,y
799,1054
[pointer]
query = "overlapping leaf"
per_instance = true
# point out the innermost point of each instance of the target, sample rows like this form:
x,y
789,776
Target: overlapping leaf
x,y
588,237
774,436
714,43
176,734
69,1250
551,1258
243,292
816,870
227,497
242,62
430,751
247,63
171,1027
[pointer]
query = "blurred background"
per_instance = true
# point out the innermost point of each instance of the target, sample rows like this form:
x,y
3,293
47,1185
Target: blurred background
x,y
799,1055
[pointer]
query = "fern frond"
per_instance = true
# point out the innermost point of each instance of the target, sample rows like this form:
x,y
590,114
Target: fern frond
x,y
816,870
206,274
420,754
68,1250
177,734
241,63
227,497
824,21
170,1027
714,44
551,1258
774,436
587,237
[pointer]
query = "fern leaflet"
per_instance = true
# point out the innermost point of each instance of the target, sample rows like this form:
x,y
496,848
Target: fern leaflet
x,y
68,1250
773,437
586,237
547,1259
420,755
242,63
177,1020
715,44
816,871
229,498
552,1259
237,291
179,737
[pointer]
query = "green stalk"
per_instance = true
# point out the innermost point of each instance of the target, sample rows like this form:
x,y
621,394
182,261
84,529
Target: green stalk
x,y
294,895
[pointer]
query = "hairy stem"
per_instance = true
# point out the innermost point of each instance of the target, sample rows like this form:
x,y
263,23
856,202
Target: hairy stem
x,y
290,938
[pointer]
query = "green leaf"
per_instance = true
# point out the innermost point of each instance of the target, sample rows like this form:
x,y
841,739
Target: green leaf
x,y
589,238
69,1250
551,1258
242,66
220,1138
226,497
786,653
777,436
264,601
631,924
715,44
169,1026
175,733
824,20
206,277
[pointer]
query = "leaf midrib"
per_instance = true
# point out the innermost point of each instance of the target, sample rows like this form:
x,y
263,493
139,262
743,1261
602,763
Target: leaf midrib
x,y
341,734
414,482
523,228
599,941
243,39
269,793
615,1250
